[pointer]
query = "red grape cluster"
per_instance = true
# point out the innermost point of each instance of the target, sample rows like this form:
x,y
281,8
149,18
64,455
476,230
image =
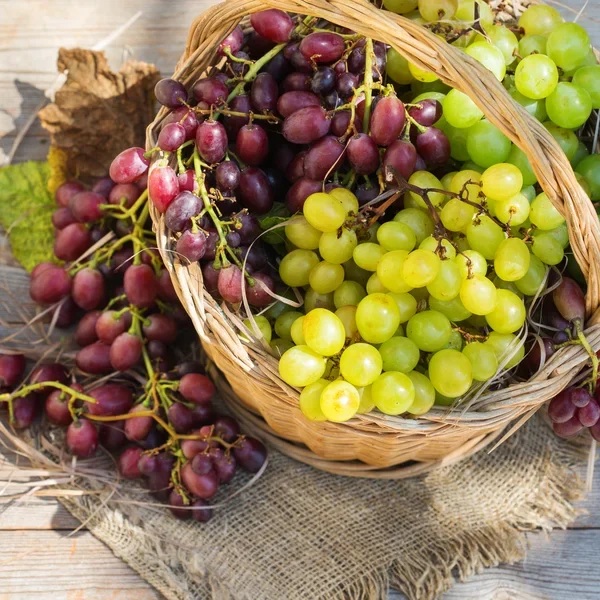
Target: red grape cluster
x,y
286,116
128,323
576,407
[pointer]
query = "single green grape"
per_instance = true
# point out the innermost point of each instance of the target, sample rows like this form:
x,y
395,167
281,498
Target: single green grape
x,y
347,315
347,198
360,364
450,373
406,303
484,363
424,75
536,108
339,401
456,215
443,248
434,10
284,322
544,214
501,181
532,281
560,234
424,179
326,277
377,318
424,394
513,210
323,331
478,295
470,262
279,347
295,267
486,144
590,60
490,57
393,393
396,236
582,152
508,348
466,12
589,79
375,286
429,330
509,313
484,236
260,329
453,309
349,293
540,19
302,234
368,255
569,105
568,46
296,332
300,366
532,44
419,268
324,212
400,7
366,400
589,167
529,192
447,284
566,139
397,68
536,76
447,178
399,354
313,300
505,40
389,271
355,273
338,249
547,248
310,400
519,159
460,111
512,258
458,140
418,220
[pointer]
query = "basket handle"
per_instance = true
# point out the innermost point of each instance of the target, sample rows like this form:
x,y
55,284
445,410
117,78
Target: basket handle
x,y
453,67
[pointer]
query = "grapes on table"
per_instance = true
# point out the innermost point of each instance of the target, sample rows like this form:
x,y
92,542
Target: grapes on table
x,y
390,242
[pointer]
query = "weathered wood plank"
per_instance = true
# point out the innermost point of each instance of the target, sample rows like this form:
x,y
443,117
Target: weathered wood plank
x,y
49,565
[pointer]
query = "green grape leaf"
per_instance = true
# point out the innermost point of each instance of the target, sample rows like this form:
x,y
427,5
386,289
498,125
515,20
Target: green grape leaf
x,y
26,208
278,214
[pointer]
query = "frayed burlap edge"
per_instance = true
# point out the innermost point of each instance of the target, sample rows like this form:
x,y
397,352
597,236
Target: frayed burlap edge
x,y
421,573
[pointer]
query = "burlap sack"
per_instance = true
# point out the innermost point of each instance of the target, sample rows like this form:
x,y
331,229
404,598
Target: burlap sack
x,y
301,534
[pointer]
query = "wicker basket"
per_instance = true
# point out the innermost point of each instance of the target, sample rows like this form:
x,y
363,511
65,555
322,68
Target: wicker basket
x,y
376,444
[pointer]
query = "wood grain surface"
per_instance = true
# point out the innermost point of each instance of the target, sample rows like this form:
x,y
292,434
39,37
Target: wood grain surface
x,y
41,558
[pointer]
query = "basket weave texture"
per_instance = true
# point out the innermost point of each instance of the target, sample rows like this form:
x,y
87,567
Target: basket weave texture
x,y
376,444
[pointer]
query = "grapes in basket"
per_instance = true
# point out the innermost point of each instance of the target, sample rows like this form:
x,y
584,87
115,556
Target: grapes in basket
x,y
390,245
132,387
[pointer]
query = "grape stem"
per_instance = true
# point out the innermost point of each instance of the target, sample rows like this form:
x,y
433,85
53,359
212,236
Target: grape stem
x,y
368,83
593,357
392,174
253,72
208,207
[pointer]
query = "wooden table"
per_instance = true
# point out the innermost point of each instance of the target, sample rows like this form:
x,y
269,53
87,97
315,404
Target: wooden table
x,y
40,556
